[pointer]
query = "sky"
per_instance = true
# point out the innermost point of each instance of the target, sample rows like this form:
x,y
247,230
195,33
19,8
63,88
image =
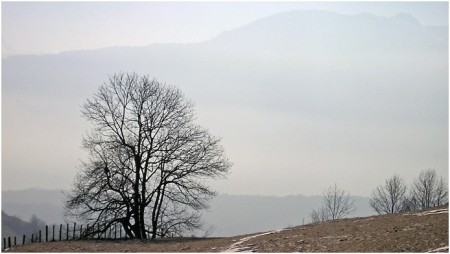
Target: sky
x,y
302,145
53,27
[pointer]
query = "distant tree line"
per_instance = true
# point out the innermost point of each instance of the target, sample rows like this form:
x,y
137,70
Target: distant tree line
x,y
428,190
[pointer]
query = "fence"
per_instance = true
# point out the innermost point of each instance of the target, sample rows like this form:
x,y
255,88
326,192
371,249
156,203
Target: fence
x,y
66,233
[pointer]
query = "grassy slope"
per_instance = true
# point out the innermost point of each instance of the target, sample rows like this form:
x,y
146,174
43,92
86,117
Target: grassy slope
x,y
409,232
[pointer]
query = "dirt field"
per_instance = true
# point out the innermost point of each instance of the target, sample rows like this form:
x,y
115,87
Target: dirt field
x,y
409,232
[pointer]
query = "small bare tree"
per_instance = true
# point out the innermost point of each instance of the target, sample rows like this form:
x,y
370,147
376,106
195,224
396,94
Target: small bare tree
x,y
36,224
319,214
389,198
336,205
429,190
441,192
410,203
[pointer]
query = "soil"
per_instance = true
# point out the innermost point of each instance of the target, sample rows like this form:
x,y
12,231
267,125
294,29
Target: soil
x,y
408,232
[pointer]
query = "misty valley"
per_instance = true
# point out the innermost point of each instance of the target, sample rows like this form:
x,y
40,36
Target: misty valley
x,y
301,131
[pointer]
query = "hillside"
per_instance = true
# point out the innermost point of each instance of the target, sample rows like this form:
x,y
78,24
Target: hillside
x,y
239,214
12,225
15,226
229,214
45,204
408,232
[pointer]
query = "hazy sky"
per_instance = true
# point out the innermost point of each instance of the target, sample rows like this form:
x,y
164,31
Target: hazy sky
x,y
281,140
52,27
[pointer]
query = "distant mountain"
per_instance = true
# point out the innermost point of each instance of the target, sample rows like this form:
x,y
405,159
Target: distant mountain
x,y
332,32
45,204
229,214
14,226
304,38
307,55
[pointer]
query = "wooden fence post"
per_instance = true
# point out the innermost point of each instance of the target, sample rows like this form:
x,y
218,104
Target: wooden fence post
x,y
99,233
81,231
53,237
15,243
4,243
60,231
87,230
115,231
74,227
120,232
46,233
9,242
23,241
32,237
40,236
67,235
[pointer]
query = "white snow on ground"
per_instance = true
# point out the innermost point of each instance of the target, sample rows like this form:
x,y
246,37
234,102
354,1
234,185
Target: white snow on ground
x,y
432,212
240,247
442,249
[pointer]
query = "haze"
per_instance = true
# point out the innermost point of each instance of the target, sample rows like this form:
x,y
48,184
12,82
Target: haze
x,y
52,27
303,95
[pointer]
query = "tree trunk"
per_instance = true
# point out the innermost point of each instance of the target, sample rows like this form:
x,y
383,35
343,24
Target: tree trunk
x,y
142,220
154,216
136,205
126,227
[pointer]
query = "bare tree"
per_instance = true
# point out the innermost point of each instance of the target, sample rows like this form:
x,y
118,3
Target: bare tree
x,y
147,160
429,190
441,192
336,205
410,203
319,214
36,224
389,198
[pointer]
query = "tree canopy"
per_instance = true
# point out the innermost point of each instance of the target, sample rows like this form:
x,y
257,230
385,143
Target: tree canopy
x,y
148,160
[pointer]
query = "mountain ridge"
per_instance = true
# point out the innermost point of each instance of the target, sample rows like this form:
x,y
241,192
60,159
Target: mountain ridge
x,y
401,17
303,28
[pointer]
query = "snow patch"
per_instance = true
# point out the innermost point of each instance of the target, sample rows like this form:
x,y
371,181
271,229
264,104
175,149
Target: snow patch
x,y
442,249
239,247
432,212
